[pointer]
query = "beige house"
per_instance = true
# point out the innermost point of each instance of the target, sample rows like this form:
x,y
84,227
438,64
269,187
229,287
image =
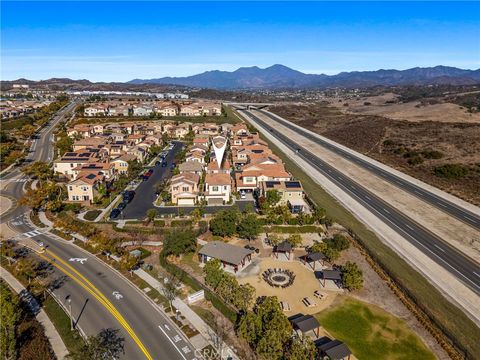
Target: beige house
x,y
291,193
71,160
252,175
121,163
218,188
104,168
85,187
89,143
184,189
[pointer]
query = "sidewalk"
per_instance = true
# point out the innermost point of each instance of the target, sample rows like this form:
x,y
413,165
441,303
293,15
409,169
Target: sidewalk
x,y
43,218
53,336
197,322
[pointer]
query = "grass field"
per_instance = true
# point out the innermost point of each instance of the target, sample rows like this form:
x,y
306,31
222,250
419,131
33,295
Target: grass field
x,y
372,333
456,325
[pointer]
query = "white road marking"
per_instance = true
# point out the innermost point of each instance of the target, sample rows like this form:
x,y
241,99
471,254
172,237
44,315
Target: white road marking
x,y
409,227
117,295
476,274
80,260
168,337
32,233
167,327
443,205
469,218
388,212
16,223
368,198
439,248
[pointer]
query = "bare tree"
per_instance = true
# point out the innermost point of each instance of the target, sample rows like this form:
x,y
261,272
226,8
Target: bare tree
x,y
218,333
170,288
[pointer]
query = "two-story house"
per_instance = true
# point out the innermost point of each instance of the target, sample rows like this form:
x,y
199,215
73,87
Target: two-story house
x,y
184,188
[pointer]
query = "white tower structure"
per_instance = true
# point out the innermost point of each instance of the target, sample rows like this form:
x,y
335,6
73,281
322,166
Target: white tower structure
x,y
219,146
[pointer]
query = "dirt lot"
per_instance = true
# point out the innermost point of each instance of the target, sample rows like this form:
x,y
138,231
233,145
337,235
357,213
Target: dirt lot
x,y
414,147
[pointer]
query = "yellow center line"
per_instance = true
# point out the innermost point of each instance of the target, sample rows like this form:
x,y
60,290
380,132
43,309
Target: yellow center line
x,y
104,301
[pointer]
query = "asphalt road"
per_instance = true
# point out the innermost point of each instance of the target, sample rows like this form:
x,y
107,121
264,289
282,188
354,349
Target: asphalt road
x,y
465,269
93,286
465,215
145,192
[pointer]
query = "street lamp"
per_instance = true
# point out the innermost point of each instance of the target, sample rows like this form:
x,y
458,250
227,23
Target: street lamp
x,y
69,300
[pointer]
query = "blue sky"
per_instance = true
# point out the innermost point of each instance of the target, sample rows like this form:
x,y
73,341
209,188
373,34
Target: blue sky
x,y
119,41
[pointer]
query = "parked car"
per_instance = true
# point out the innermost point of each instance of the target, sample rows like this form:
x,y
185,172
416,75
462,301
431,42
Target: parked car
x,y
158,162
122,205
128,195
243,195
115,213
150,171
164,164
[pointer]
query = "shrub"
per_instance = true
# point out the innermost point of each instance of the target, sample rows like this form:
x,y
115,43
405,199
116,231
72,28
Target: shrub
x,y
352,276
432,154
415,160
451,171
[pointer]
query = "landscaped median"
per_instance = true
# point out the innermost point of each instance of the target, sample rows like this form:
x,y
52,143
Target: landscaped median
x,y
455,332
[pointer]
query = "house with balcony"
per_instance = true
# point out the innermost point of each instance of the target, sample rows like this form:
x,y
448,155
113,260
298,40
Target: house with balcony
x,y
184,188
85,187
218,188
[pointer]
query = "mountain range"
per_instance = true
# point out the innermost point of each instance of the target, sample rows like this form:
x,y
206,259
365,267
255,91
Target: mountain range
x,y
280,76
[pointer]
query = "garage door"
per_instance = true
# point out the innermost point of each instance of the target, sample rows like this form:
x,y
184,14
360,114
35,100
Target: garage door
x,y
215,201
186,202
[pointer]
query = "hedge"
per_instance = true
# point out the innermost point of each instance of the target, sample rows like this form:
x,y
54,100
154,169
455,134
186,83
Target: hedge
x,y
181,223
293,229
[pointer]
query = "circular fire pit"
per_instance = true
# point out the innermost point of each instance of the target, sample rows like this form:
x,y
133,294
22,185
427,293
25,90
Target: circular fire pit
x,y
279,277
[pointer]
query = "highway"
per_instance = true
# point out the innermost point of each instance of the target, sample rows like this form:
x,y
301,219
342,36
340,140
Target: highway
x,y
465,269
100,296
465,215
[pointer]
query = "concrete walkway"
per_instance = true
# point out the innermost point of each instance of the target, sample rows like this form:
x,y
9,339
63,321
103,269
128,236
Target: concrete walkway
x,y
43,218
197,322
52,334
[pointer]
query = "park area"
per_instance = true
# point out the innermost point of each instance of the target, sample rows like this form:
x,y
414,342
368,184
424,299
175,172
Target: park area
x,y
370,332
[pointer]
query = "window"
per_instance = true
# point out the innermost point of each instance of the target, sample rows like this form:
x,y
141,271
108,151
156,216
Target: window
x,y
185,189
70,188
225,187
214,188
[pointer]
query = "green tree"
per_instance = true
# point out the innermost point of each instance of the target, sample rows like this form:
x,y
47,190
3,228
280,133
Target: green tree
x,y
244,296
128,262
273,197
26,268
179,241
213,273
331,254
10,314
352,278
39,170
301,349
339,242
266,328
151,213
106,345
224,223
249,227
295,240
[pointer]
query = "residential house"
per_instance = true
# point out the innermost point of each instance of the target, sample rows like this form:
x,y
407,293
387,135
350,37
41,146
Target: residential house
x,y
89,143
184,188
194,167
218,188
213,168
291,193
142,110
250,177
85,187
121,163
70,160
182,130
233,258
106,169
195,156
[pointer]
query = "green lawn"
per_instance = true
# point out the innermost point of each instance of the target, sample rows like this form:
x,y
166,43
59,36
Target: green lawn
x,y
61,321
372,333
92,215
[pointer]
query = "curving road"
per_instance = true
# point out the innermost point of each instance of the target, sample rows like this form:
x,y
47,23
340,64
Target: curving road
x,y
465,269
100,296
465,215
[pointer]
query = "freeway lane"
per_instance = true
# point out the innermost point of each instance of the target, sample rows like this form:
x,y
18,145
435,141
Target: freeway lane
x,y
465,215
459,265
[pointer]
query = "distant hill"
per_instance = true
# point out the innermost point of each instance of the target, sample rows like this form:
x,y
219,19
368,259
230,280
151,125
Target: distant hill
x,y
280,76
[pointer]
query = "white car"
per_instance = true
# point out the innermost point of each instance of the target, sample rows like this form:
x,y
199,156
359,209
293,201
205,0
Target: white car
x,y
243,195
